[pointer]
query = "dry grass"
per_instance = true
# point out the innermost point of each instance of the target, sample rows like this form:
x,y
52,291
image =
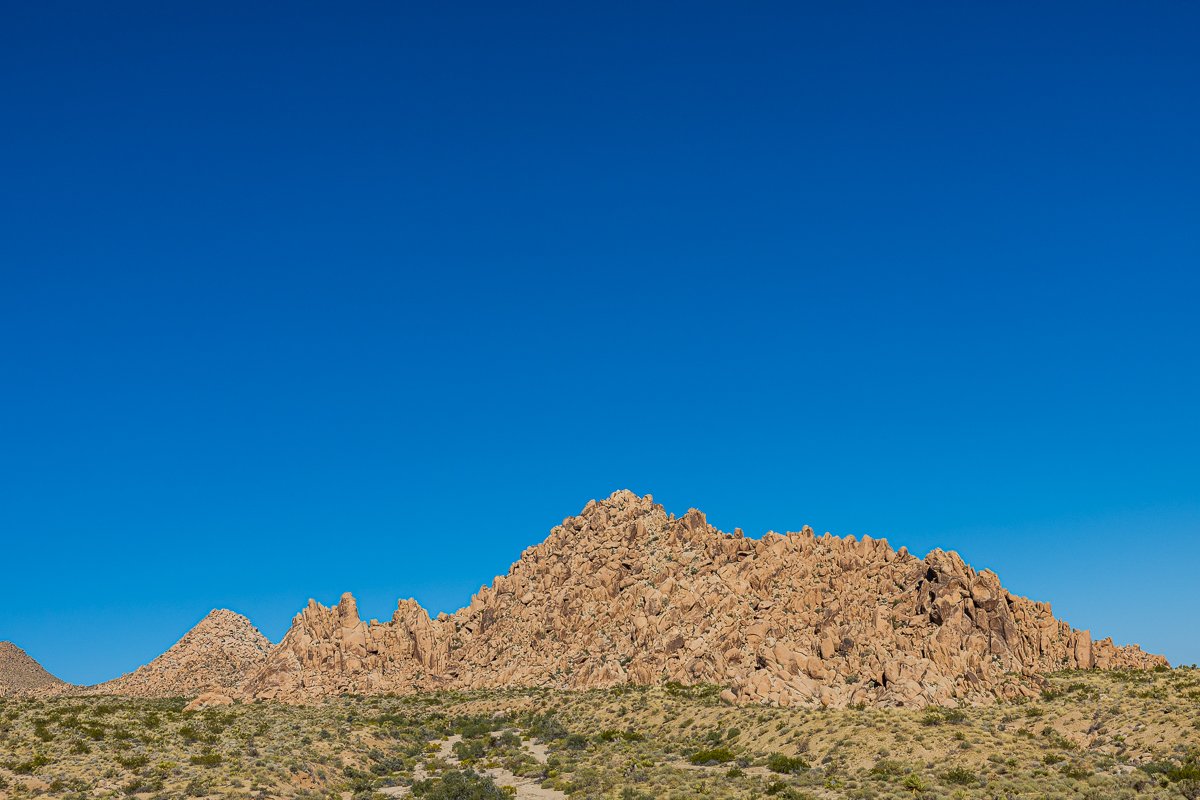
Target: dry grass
x,y
1092,735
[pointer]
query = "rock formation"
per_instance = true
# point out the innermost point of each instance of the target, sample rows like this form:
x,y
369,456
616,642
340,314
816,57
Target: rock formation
x,y
20,674
217,655
626,593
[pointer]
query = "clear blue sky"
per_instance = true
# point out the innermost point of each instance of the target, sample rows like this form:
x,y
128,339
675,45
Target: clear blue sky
x,y
304,298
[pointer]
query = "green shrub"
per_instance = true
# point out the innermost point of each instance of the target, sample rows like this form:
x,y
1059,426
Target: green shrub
x,y
941,716
133,762
1188,770
786,765
459,785
886,768
31,765
547,728
714,755
960,776
207,759
469,750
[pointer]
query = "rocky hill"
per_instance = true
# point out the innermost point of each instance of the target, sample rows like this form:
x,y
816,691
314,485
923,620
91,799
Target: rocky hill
x,y
626,593
218,654
20,674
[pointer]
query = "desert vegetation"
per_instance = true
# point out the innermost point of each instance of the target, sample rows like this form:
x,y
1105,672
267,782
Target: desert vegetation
x,y
1090,734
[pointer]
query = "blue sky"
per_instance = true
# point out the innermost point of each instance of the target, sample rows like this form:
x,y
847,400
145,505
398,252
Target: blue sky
x,y
304,298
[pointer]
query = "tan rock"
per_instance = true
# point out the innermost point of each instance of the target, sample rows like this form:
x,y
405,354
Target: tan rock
x,y
626,593
219,654
209,700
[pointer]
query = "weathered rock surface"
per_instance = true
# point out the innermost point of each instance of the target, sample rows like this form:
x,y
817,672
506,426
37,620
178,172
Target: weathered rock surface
x,y
21,674
209,700
217,655
626,593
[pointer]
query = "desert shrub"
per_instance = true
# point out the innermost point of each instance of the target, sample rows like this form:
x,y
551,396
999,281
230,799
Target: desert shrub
x,y
508,740
142,784
786,765
1188,770
713,755
30,765
693,692
207,759
960,776
383,764
190,733
547,728
913,783
133,762
942,716
196,788
471,727
469,750
459,785
887,768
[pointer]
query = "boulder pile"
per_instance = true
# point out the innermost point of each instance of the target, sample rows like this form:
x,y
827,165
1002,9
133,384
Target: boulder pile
x,y
626,593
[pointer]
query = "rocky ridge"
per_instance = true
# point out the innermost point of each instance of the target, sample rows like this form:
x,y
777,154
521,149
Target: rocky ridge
x,y
21,674
626,593
218,654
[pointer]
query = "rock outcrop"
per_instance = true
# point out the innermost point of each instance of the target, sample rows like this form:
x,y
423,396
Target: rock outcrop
x,y
21,674
626,593
209,700
217,655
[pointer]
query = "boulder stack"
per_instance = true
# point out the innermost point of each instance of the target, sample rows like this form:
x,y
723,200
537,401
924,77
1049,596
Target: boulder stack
x,y
626,593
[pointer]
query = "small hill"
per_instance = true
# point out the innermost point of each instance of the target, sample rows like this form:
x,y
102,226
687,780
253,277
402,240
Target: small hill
x,y
20,674
626,593
218,654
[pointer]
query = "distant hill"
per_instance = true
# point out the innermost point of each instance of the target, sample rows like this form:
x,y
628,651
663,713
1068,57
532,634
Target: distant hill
x,y
20,674
218,654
